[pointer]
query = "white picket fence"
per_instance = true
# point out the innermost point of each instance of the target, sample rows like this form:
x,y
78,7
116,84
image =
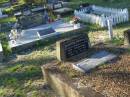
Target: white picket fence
x,y
115,15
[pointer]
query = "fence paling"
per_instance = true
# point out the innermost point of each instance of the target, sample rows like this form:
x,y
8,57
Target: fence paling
x,y
117,15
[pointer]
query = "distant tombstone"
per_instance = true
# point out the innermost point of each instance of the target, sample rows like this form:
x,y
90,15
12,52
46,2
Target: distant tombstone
x,y
30,21
76,46
57,6
127,37
46,31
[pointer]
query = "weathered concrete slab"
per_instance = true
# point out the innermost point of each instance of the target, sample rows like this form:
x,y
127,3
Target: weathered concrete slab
x,y
30,35
94,61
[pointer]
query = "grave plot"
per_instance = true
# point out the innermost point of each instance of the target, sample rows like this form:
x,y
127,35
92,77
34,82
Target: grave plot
x,y
28,38
110,79
100,15
95,60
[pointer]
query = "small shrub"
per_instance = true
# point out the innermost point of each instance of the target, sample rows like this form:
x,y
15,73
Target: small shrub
x,y
8,11
6,49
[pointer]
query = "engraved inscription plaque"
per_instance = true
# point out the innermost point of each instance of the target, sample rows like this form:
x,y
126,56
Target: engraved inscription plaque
x,y
68,49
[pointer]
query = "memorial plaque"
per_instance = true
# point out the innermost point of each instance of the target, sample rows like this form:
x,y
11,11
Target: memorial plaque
x,y
57,6
46,31
94,61
71,48
127,37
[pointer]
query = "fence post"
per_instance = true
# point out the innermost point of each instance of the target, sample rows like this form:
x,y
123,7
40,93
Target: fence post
x,y
110,28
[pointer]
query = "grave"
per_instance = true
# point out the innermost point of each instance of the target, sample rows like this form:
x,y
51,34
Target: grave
x,y
71,48
30,21
95,60
58,8
127,37
29,37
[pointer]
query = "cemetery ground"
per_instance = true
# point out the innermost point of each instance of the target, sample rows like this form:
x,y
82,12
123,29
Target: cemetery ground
x,y
22,75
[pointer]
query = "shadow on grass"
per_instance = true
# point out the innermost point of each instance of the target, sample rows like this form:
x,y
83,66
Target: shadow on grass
x,y
18,72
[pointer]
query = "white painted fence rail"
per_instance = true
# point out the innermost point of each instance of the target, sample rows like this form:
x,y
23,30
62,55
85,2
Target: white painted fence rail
x,y
116,15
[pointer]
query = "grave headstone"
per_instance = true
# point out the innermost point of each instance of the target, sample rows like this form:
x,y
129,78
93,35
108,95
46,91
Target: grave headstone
x,y
58,8
69,49
127,37
31,20
95,60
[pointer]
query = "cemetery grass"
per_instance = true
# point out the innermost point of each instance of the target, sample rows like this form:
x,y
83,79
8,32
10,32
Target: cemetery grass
x,y
22,75
9,19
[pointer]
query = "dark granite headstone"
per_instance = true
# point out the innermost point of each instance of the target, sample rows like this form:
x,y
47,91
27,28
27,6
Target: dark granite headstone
x,y
31,21
46,31
70,48
127,37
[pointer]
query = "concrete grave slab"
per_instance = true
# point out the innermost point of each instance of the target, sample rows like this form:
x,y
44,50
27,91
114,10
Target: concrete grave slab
x,y
95,60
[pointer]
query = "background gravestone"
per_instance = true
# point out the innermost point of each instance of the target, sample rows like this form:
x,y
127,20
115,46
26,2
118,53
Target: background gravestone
x,y
31,21
71,48
127,37
56,1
